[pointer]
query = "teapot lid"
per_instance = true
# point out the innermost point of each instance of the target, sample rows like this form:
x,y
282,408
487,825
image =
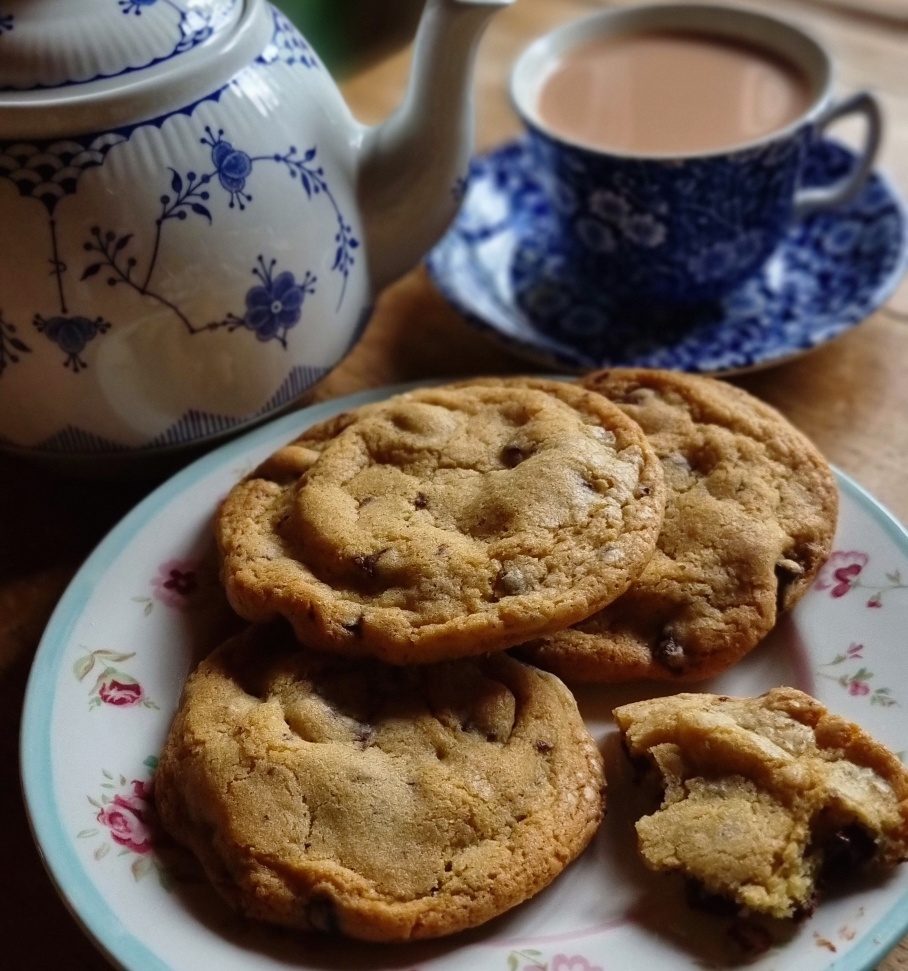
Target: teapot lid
x,y
55,44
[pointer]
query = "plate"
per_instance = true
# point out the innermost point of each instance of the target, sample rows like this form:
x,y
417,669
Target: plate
x,y
830,272
107,677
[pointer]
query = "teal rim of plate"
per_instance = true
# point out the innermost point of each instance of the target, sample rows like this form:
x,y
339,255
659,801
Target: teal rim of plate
x,y
84,901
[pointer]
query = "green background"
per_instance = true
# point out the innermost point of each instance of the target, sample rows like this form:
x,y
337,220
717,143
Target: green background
x,y
349,33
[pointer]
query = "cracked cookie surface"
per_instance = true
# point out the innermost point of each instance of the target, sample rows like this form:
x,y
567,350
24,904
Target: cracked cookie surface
x,y
377,802
750,517
765,796
445,522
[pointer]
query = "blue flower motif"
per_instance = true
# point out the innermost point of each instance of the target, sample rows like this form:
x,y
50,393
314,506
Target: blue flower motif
x,y
6,22
135,6
609,205
276,305
642,229
599,238
842,237
712,263
547,299
232,165
71,334
564,197
721,259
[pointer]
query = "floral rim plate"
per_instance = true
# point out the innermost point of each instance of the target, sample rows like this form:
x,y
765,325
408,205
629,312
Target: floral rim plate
x,y
832,270
107,678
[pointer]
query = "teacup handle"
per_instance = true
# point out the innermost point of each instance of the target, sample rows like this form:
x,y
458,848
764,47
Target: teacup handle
x,y
827,197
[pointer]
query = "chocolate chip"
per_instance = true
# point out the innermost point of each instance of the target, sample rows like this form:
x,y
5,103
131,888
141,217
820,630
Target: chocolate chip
x,y
513,454
806,909
364,736
753,939
367,562
670,654
421,500
700,898
788,570
642,491
510,582
847,850
355,627
322,915
543,746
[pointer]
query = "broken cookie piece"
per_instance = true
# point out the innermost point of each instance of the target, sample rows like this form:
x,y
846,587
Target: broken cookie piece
x,y
765,798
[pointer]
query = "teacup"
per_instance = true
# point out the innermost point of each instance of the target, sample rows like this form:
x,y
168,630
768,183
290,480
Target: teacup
x,y
675,229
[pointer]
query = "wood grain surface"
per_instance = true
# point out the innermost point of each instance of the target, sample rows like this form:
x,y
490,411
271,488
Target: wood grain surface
x,y
851,397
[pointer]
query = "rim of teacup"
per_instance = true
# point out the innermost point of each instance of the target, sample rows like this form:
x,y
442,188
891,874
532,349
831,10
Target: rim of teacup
x,y
782,37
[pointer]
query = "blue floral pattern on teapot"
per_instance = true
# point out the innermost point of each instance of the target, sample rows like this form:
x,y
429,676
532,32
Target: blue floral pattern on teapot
x,y
176,275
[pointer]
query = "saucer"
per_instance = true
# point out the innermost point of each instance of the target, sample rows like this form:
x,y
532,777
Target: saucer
x,y
831,271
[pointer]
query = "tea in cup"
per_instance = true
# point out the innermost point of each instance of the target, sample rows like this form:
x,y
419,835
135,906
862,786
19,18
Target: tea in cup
x,y
670,143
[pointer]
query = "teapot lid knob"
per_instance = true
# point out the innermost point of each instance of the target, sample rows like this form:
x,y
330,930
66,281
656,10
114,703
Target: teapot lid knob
x,y
52,47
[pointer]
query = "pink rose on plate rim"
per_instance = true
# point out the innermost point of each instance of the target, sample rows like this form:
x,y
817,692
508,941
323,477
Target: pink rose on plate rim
x,y
858,688
841,571
120,693
176,583
126,818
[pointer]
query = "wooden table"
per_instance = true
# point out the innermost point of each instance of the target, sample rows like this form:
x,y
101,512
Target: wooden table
x,y
851,397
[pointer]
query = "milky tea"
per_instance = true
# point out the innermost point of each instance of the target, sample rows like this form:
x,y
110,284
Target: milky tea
x,y
670,92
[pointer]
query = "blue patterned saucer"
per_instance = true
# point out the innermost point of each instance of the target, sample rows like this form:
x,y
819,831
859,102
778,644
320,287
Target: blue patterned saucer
x,y
832,270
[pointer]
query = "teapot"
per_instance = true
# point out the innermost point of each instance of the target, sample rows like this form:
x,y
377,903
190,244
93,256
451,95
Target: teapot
x,y
192,223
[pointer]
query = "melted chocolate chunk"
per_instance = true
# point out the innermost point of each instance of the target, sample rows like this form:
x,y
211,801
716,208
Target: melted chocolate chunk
x,y
322,915
700,898
355,627
845,851
421,500
510,582
513,454
670,654
364,736
367,563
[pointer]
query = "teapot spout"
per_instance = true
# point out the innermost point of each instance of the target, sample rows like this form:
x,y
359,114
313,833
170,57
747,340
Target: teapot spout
x,y
412,166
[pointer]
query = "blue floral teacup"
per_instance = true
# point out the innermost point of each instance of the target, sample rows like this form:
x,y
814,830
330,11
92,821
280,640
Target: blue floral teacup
x,y
671,230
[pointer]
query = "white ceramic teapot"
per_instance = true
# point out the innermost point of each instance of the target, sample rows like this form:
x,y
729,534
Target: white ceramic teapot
x,y
192,224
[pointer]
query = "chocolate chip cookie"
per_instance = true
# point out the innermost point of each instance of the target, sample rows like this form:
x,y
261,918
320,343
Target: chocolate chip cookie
x,y
750,517
446,522
764,797
372,801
